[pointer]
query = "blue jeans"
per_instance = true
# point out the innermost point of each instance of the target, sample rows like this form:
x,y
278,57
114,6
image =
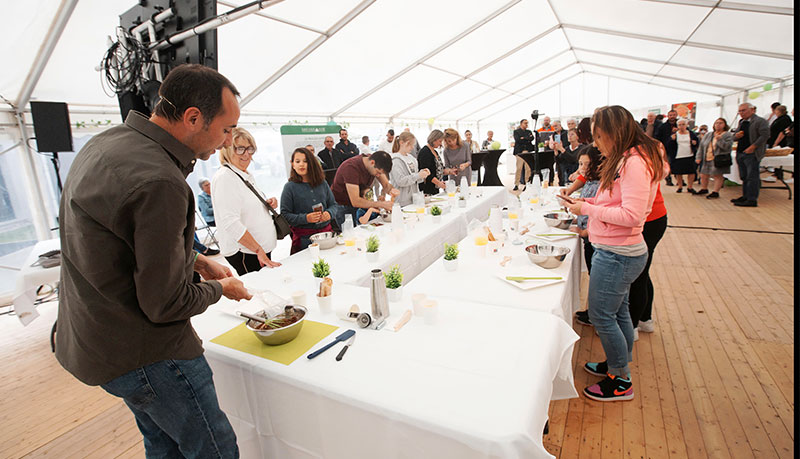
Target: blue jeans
x,y
750,175
609,284
176,409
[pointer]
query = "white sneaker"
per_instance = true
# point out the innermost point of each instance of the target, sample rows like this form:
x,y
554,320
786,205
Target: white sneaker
x,y
647,326
635,334
789,180
771,178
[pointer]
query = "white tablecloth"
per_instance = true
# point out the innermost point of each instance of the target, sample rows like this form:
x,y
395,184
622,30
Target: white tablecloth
x,y
30,278
476,384
786,162
476,280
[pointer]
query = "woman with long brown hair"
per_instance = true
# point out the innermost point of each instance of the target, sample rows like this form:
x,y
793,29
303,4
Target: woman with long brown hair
x,y
307,201
629,177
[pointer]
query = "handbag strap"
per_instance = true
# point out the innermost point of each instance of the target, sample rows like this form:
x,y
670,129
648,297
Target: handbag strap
x,y
255,192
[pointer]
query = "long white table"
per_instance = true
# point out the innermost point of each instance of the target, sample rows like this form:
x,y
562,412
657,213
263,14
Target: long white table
x,y
475,384
476,277
31,278
784,163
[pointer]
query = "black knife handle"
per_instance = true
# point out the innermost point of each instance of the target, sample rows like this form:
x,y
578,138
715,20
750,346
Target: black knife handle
x,y
327,346
341,353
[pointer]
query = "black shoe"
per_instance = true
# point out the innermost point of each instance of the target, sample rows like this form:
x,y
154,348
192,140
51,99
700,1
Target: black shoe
x,y
712,195
610,389
746,204
692,190
668,180
516,188
739,199
679,190
210,252
582,317
596,368
703,191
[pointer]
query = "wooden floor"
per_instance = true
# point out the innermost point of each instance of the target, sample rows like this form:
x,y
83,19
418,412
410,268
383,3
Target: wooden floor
x,y
715,379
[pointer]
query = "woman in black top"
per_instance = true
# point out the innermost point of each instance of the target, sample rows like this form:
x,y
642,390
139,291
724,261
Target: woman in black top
x,y
777,127
428,158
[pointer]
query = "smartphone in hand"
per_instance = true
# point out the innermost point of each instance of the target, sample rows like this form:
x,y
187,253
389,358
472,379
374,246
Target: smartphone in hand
x,y
565,198
317,207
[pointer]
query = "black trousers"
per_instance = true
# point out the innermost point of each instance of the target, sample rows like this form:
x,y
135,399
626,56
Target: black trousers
x,y
640,299
245,263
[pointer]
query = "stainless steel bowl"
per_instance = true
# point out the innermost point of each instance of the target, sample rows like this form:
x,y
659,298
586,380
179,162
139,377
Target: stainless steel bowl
x,y
325,240
560,220
546,255
278,336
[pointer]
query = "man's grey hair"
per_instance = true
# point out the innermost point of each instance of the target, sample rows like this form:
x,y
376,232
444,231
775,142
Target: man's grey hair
x,y
201,181
747,104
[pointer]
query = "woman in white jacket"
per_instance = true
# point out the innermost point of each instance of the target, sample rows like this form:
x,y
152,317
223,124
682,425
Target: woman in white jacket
x,y
245,228
405,175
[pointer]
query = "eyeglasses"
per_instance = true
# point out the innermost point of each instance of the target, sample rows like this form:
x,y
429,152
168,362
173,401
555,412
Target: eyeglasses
x,y
243,150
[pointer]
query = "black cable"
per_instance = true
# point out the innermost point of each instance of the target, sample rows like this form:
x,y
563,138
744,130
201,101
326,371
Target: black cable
x,y
729,229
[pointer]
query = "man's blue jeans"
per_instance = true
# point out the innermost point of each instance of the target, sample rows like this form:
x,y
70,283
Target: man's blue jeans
x,y
176,409
609,284
750,175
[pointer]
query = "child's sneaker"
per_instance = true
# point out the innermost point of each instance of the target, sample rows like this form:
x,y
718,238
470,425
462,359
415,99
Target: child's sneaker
x,y
610,389
596,368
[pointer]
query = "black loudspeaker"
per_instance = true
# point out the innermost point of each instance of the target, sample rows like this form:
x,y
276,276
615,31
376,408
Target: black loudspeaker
x,y
51,126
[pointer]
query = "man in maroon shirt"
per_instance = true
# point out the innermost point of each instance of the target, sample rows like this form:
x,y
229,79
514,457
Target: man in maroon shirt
x,y
356,175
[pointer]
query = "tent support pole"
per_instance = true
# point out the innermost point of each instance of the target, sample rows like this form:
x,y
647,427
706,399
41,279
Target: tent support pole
x,y
780,91
41,217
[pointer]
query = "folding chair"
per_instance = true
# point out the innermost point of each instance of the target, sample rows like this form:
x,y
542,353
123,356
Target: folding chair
x,y
201,224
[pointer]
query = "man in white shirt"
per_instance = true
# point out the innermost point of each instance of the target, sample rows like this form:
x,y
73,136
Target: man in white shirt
x,y
386,144
364,147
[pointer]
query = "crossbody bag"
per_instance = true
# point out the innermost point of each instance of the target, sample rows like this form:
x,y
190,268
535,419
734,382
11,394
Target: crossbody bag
x,y
282,227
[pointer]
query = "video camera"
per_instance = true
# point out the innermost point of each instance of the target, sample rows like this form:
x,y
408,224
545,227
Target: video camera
x,y
535,115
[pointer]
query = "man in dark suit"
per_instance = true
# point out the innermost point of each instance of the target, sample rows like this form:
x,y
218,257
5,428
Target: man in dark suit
x,y
751,136
523,141
664,135
345,147
330,157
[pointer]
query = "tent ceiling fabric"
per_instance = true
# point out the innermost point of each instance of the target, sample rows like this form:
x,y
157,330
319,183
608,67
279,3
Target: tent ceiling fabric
x,y
465,60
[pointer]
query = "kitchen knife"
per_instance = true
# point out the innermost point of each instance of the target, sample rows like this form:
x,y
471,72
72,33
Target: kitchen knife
x,y
347,334
344,349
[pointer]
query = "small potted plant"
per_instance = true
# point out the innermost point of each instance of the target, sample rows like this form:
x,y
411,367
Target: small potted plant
x,y
320,269
372,248
394,283
436,214
462,201
450,257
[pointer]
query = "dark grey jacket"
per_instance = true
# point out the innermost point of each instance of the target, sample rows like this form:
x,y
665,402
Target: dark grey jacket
x,y
759,134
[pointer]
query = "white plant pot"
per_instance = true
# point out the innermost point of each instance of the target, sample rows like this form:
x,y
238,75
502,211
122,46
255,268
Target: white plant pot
x,y
462,203
450,265
395,294
317,282
372,257
436,218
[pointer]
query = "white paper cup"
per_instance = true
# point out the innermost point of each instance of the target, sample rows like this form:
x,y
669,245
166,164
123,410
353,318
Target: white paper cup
x,y
324,303
430,311
313,249
299,297
417,300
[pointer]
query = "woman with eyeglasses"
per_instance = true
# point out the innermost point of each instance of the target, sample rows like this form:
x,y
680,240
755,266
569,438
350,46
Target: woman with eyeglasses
x,y
245,229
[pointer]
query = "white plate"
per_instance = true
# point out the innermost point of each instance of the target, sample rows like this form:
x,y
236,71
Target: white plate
x,y
532,235
528,284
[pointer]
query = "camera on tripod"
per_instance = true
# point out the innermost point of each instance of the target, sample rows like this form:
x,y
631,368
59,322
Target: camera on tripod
x,y
535,115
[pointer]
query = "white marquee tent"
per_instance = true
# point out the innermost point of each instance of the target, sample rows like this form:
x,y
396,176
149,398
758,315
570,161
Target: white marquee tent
x,y
374,64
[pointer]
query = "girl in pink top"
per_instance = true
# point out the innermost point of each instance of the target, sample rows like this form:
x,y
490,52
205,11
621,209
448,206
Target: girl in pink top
x,y
629,178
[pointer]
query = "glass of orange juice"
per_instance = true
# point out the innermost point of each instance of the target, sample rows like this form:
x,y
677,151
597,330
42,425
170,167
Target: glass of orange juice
x,y
534,200
481,240
512,215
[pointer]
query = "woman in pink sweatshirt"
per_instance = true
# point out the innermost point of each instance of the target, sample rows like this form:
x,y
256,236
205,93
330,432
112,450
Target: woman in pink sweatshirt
x,y
629,178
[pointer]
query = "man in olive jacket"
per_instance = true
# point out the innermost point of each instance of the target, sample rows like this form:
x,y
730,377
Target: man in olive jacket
x,y
127,292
